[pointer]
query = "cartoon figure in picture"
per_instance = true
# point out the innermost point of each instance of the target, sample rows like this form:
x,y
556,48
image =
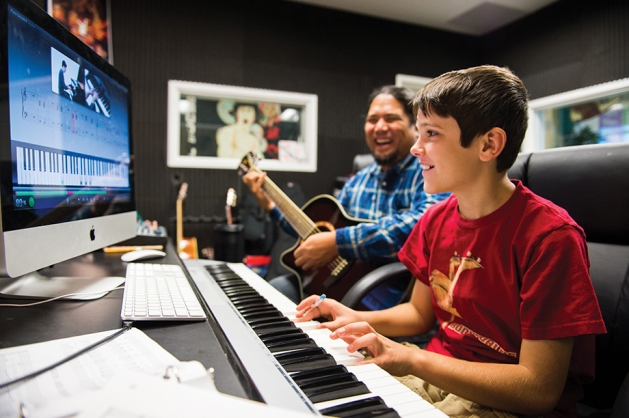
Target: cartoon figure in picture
x,y
243,134
443,286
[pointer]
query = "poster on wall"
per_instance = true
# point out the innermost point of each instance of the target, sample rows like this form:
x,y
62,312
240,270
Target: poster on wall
x,y
215,126
88,20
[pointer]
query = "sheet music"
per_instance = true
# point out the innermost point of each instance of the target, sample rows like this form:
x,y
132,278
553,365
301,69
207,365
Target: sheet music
x,y
132,351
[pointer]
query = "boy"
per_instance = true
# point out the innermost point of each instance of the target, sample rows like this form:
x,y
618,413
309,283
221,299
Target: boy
x,y
503,271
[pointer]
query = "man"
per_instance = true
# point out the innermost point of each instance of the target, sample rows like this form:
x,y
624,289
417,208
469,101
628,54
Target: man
x,y
61,85
505,273
388,192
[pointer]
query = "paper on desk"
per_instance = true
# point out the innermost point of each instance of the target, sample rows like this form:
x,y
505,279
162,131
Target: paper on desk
x,y
139,395
54,393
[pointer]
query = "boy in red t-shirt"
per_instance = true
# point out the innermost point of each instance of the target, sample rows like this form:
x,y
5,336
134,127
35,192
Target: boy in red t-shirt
x,y
504,272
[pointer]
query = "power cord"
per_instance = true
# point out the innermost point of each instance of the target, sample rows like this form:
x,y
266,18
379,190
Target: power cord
x,y
23,305
127,325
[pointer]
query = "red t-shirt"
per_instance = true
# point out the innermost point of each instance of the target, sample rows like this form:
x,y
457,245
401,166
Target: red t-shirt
x,y
519,272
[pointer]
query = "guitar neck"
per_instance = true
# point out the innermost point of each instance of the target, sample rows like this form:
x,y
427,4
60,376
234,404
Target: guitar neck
x,y
179,223
300,222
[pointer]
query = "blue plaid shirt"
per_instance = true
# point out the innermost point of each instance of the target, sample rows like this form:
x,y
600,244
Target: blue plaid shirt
x,y
395,200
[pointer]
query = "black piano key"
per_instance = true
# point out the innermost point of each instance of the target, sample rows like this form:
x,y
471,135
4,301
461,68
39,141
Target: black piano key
x,y
269,320
262,314
279,346
369,407
286,331
313,374
315,371
260,308
308,362
260,329
285,337
319,381
336,391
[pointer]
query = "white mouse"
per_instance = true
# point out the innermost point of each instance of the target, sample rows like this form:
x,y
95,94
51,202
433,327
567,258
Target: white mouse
x,y
138,255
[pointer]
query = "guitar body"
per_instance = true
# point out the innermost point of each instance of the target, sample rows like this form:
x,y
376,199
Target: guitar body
x,y
328,215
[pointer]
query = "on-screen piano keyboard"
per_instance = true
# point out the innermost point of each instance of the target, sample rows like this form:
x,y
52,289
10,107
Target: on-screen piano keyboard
x,y
256,319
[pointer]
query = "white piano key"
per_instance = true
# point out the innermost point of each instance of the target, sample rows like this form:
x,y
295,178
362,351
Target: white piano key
x,y
380,383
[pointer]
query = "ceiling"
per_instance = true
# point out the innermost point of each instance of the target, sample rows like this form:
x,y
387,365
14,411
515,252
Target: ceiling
x,y
469,17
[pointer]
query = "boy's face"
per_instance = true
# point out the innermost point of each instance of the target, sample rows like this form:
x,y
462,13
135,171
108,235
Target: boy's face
x,y
447,166
388,131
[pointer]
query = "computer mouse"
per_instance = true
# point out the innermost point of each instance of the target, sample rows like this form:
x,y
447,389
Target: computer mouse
x,y
138,255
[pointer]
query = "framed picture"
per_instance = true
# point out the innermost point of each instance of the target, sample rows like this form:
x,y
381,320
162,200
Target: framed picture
x,y
88,20
215,126
590,115
413,82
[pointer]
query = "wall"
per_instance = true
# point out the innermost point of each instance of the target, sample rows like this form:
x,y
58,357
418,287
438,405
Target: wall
x,y
266,44
566,46
279,45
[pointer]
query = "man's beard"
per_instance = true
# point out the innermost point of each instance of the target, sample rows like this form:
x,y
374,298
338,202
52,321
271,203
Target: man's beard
x,y
388,160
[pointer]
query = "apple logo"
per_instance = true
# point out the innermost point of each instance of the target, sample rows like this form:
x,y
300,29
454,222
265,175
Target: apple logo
x,y
92,234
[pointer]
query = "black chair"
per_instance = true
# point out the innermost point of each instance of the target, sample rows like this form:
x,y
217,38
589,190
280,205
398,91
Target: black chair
x,y
592,183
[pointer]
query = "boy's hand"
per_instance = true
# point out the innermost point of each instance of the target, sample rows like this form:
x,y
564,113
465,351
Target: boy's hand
x,y
336,313
393,357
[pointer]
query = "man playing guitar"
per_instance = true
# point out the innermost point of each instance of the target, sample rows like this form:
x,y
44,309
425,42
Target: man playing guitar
x,y
389,193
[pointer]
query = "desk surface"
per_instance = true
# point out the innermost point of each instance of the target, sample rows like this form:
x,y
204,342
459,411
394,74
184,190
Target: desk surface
x,y
202,341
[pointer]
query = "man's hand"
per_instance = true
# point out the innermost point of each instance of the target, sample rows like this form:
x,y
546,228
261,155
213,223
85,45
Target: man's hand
x,y
316,251
254,181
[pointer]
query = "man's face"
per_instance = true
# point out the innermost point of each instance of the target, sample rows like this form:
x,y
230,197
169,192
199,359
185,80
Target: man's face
x,y
388,131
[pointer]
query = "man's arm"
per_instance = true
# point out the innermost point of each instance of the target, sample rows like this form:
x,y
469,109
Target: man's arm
x,y
380,241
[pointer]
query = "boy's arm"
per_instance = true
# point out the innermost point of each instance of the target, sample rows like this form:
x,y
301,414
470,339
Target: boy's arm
x,y
531,387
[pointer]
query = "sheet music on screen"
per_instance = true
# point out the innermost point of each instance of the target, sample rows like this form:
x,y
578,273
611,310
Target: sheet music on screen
x,y
69,124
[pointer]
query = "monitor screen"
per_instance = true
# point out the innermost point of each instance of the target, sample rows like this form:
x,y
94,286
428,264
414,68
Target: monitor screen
x,y
66,171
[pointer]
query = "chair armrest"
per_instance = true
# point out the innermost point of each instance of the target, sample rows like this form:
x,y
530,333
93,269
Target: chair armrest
x,y
373,279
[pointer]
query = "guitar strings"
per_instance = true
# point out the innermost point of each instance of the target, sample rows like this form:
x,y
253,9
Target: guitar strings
x,y
305,227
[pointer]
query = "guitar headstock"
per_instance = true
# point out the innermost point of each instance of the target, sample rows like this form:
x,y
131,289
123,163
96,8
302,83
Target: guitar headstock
x,y
183,190
248,162
231,198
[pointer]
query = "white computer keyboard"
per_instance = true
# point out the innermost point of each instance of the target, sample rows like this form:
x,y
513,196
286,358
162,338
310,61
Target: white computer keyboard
x,y
159,292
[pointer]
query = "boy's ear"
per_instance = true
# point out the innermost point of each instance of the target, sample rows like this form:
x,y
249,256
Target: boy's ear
x,y
494,141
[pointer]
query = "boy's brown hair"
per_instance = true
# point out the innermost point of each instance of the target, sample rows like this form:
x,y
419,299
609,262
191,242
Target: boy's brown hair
x,y
479,99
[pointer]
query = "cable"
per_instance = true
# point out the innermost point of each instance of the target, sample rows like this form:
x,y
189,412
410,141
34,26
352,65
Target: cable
x,y
127,325
22,305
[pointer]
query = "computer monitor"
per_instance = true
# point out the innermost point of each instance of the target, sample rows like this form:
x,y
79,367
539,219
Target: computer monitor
x,y
66,172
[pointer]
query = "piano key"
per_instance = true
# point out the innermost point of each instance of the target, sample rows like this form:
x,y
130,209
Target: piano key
x,y
398,399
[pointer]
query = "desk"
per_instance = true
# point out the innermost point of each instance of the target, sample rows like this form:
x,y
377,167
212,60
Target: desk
x,y
202,341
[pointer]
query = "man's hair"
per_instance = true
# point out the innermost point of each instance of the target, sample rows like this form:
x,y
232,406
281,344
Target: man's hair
x,y
479,99
403,95
63,63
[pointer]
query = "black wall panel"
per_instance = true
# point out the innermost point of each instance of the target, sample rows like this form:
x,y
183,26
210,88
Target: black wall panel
x,y
341,57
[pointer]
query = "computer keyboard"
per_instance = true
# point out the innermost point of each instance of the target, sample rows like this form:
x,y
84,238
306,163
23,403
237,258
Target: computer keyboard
x,y
159,292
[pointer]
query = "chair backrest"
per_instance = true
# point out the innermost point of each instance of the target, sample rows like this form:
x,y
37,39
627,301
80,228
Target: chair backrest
x,y
592,183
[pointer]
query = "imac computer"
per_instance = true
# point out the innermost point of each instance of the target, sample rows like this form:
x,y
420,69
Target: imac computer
x,y
66,172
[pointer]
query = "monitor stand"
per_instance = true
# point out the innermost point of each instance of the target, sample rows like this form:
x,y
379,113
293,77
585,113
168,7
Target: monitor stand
x,y
37,286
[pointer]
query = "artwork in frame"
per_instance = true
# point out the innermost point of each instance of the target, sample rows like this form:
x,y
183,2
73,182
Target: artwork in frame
x,y
215,126
88,20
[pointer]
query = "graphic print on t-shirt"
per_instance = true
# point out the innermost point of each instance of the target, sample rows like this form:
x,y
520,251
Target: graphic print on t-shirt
x,y
443,286
443,289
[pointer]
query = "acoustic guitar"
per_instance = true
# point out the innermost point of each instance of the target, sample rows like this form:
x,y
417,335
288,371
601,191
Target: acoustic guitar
x,y
187,248
320,214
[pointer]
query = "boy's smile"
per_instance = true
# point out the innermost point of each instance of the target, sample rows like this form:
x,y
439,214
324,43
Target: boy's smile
x,y
440,153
